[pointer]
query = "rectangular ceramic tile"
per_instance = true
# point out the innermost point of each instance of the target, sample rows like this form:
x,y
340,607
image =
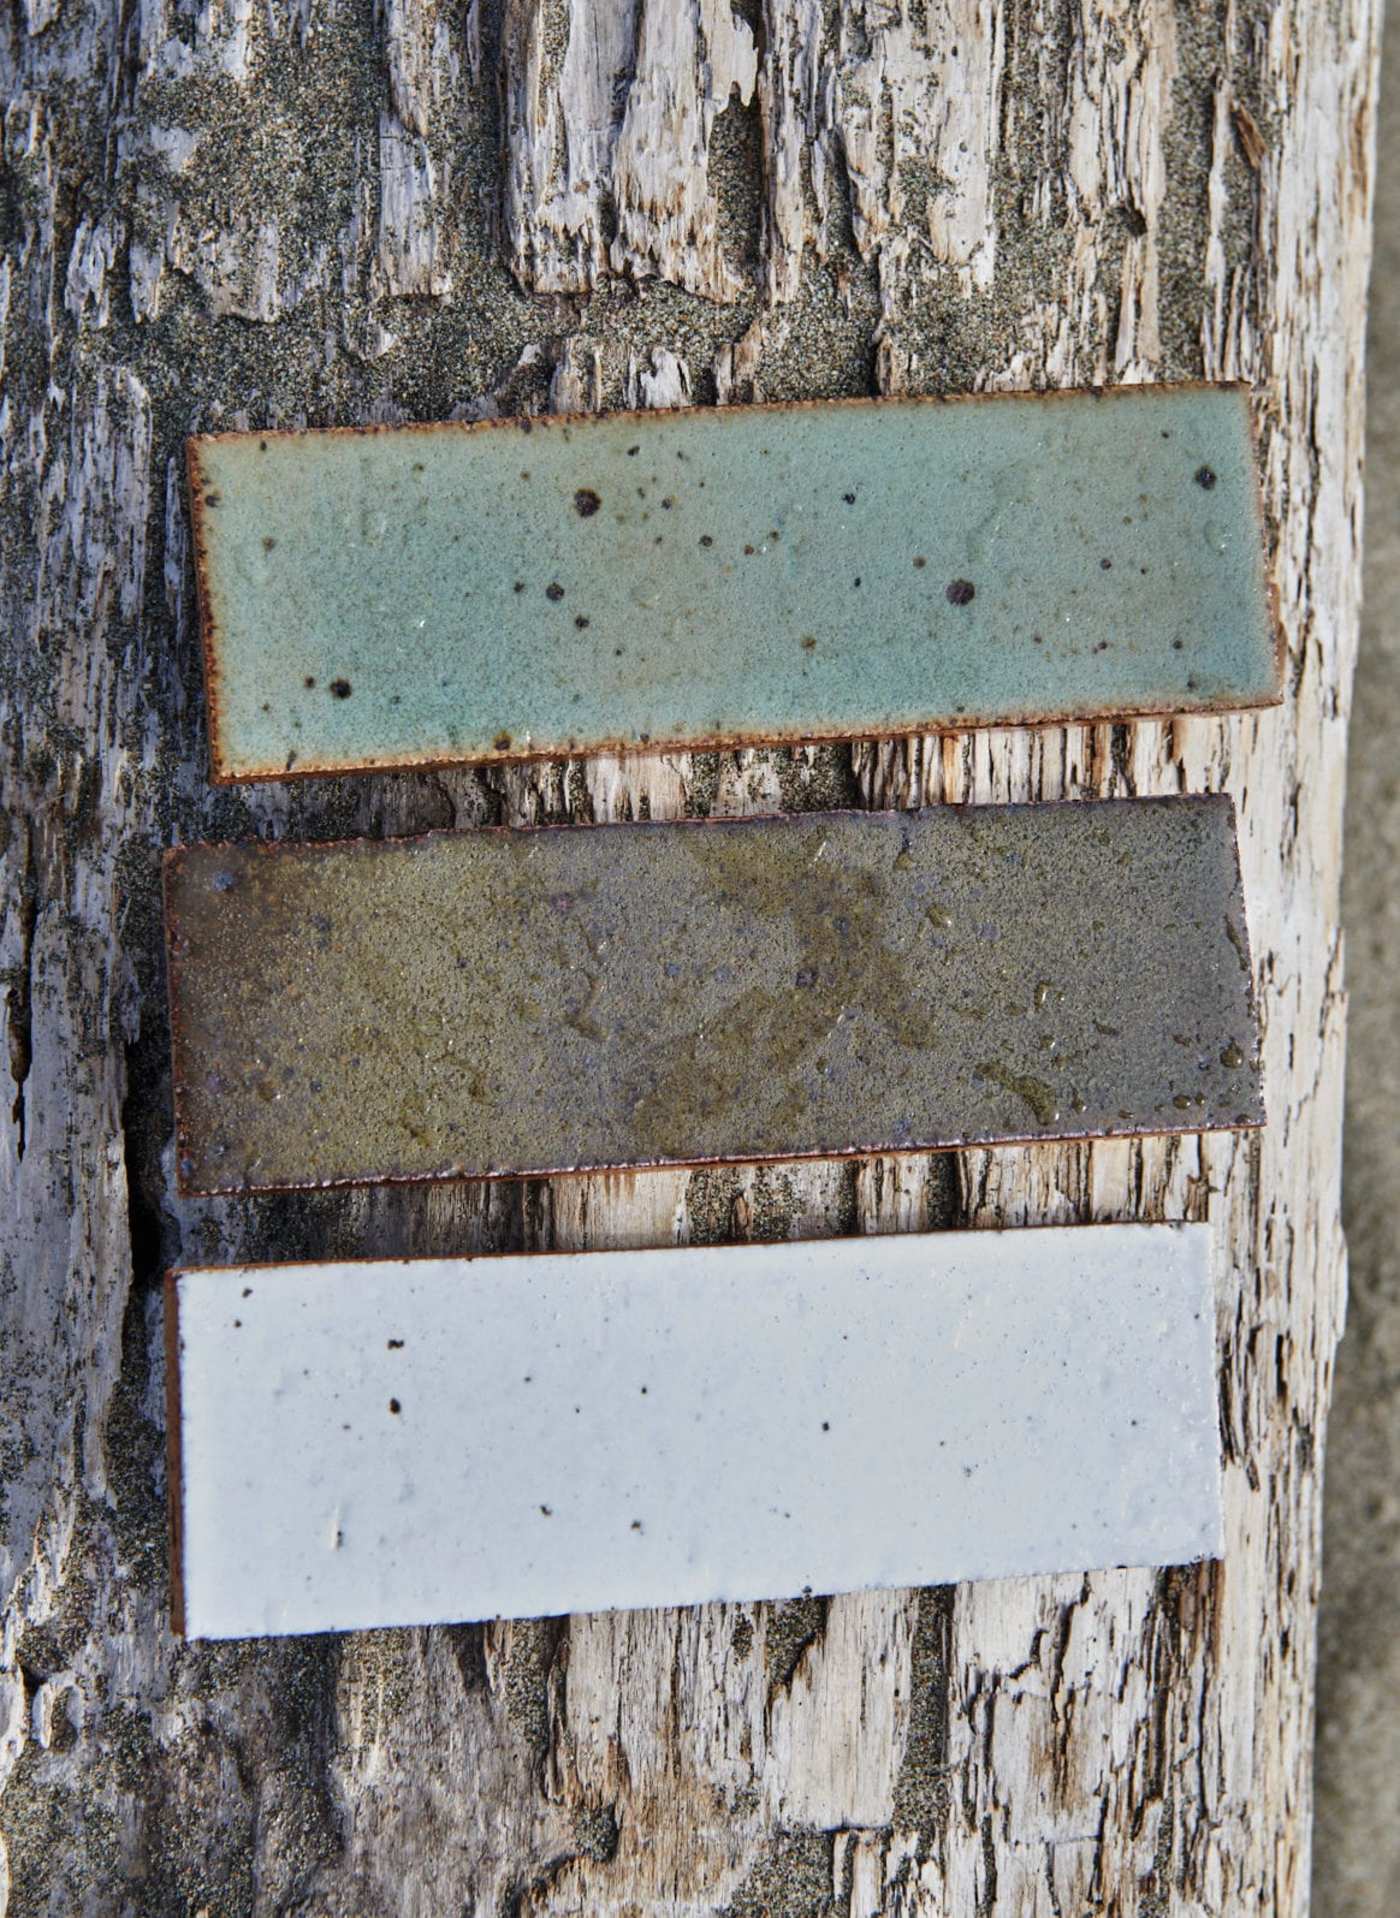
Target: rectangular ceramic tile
x,y
486,1003
399,1444
421,595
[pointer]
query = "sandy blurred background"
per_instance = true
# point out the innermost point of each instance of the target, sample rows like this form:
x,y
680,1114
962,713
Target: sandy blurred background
x,y
1356,1852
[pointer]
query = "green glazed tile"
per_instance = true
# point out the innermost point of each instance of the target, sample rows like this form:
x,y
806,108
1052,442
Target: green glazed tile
x,y
422,595
486,1003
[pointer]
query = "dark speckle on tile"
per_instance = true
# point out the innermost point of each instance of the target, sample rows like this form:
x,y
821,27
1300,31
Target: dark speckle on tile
x,y
443,544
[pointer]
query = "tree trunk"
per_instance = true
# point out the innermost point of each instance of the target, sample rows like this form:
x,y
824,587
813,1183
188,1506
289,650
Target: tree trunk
x,y
330,211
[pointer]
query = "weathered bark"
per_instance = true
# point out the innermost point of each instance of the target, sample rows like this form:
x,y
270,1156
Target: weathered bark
x,y
326,211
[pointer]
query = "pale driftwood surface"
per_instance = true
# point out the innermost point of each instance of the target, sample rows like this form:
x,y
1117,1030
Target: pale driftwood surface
x,y
222,214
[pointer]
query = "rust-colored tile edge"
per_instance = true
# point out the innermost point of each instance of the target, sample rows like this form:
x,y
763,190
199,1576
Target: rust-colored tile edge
x,y
174,1464
266,848
220,774
691,822
451,1174
651,417
726,742
170,862
603,1252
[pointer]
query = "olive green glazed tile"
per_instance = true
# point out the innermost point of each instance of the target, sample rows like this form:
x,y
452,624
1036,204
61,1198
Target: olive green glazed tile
x,y
422,595
489,1003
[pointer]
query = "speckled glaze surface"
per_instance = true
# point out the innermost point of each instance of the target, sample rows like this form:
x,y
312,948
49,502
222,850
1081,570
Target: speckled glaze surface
x,y
424,595
409,1443
498,1002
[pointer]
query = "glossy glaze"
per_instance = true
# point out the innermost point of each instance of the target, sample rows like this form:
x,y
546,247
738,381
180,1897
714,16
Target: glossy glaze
x,y
433,594
501,1002
407,1443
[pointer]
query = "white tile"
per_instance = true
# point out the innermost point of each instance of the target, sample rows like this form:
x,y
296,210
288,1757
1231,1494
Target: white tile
x,y
404,1443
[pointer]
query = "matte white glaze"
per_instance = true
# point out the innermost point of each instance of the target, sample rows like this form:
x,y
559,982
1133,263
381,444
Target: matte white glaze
x,y
409,1442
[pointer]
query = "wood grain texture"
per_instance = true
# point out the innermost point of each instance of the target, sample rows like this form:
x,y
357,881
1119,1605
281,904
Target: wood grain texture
x,y
329,211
